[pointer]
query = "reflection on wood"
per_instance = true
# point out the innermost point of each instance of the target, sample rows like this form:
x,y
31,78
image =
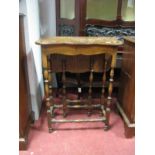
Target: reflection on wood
x,y
113,41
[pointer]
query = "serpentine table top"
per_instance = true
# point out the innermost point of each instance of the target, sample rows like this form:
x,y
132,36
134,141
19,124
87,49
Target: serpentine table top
x,y
130,39
79,41
79,45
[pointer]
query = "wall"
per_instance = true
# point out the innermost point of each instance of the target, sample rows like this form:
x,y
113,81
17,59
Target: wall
x,y
47,18
40,21
23,9
32,33
48,22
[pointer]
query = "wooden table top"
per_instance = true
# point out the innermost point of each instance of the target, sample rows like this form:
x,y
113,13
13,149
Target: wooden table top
x,y
130,39
112,41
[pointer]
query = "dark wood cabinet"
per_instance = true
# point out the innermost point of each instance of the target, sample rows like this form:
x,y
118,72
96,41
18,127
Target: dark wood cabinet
x,y
127,87
24,103
73,16
106,18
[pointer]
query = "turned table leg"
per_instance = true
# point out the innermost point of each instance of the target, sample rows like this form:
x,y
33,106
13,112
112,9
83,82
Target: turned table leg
x,y
48,87
103,88
110,89
64,88
90,86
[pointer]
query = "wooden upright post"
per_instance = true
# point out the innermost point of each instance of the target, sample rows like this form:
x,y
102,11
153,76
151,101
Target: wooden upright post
x,y
110,89
90,85
64,88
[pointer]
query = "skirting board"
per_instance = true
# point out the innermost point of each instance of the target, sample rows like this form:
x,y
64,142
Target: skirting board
x,y
126,120
23,141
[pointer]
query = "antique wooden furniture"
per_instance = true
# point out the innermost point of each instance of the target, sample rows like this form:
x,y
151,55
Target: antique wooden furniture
x,y
74,16
24,103
58,56
127,87
96,18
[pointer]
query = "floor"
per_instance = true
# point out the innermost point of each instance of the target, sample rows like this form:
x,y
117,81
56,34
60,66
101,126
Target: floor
x,y
79,138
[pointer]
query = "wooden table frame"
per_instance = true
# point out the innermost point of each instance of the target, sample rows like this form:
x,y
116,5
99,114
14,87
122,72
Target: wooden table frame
x,y
73,46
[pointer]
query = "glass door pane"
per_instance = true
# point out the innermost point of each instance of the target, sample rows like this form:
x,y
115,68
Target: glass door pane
x,y
67,9
128,10
101,9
